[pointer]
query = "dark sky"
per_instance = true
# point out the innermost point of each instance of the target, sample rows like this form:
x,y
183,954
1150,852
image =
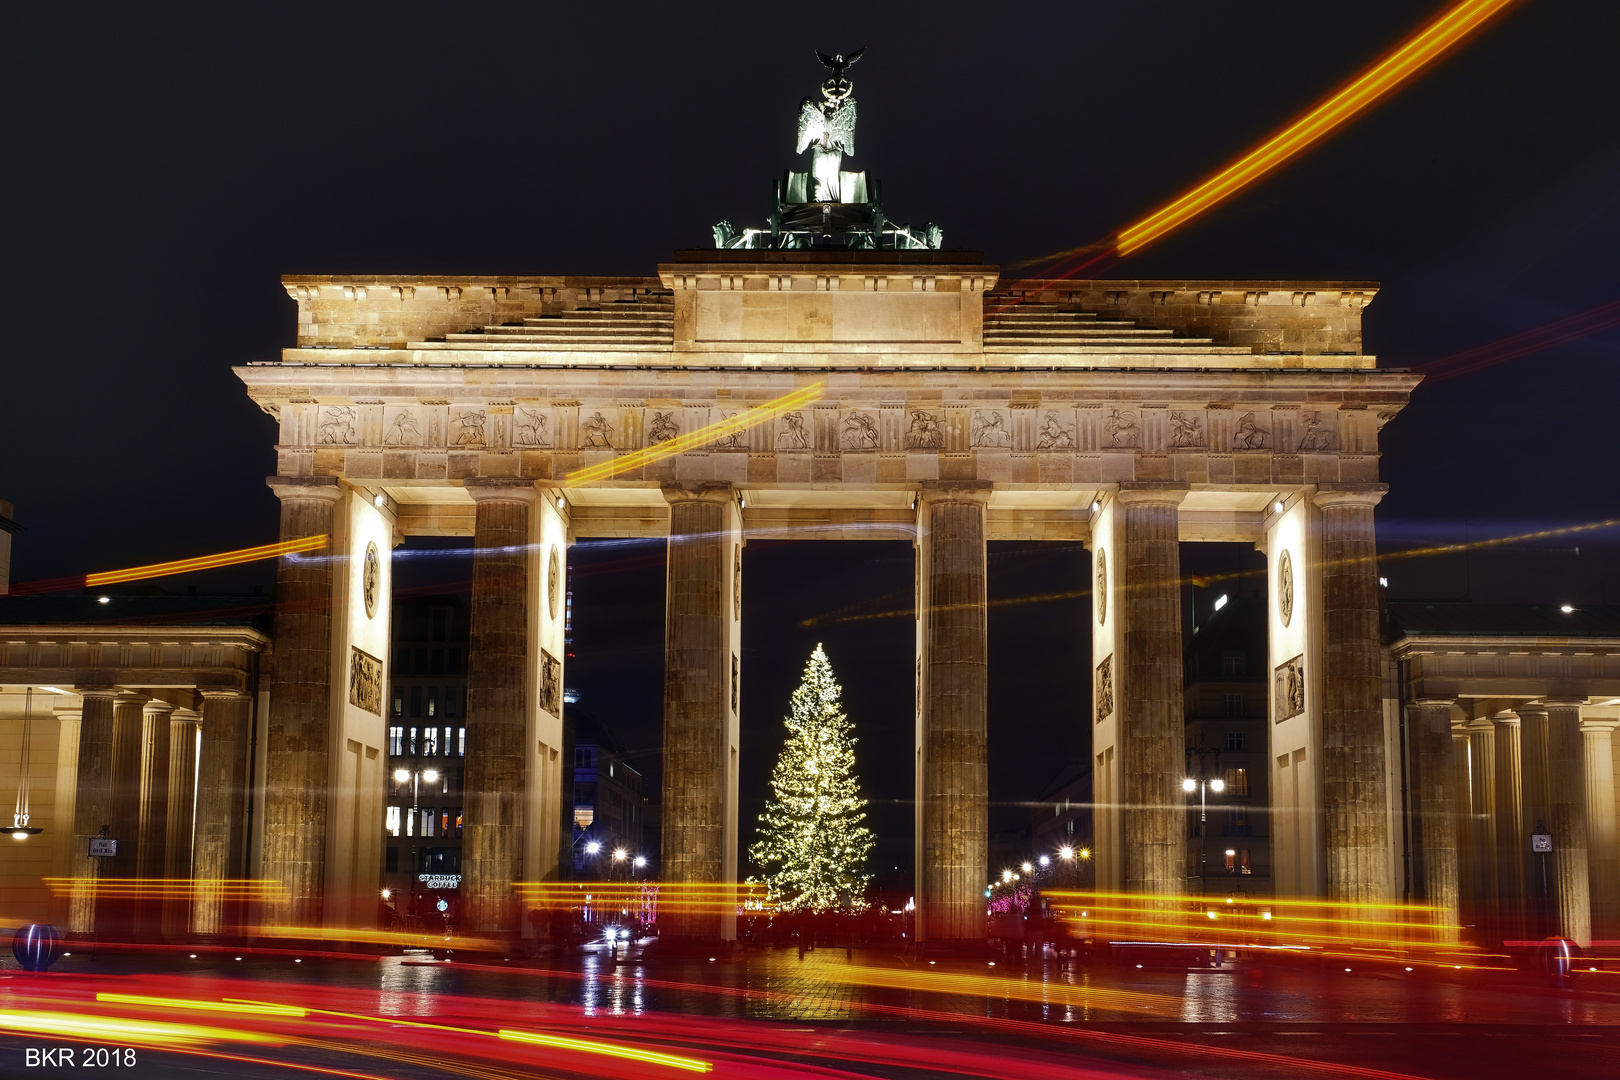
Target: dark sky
x,y
164,164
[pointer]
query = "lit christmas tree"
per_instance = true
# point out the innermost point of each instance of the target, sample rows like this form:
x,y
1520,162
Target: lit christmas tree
x,y
813,846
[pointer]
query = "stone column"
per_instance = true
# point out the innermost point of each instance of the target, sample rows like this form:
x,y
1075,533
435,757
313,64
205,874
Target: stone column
x,y
697,695
1353,755
497,707
954,801
1535,816
1152,730
1462,828
1603,868
64,844
1429,721
1481,809
298,751
1509,821
218,854
153,829
115,904
1567,798
93,803
181,818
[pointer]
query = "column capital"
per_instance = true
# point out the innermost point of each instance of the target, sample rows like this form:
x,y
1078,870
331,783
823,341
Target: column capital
x,y
157,706
1145,492
955,491
222,693
97,691
1482,724
1432,702
1506,718
1564,702
1599,724
500,489
717,491
327,488
1535,708
1349,494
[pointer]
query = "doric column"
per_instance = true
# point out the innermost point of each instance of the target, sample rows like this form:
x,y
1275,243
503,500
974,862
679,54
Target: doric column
x,y
698,712
1152,730
63,845
153,828
92,804
218,847
953,803
1353,755
1603,869
115,909
1567,797
298,750
1429,721
1508,819
181,818
1482,814
1462,828
1535,815
497,706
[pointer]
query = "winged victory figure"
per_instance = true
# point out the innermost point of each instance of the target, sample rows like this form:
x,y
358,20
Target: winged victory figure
x,y
827,127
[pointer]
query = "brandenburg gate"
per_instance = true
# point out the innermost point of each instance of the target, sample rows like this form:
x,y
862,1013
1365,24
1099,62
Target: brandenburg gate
x,y
953,408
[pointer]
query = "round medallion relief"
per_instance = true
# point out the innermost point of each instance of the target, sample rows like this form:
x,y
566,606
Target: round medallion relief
x,y
1102,586
553,580
1285,587
371,579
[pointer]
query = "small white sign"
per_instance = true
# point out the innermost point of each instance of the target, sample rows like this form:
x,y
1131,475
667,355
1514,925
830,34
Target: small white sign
x,y
1540,842
103,847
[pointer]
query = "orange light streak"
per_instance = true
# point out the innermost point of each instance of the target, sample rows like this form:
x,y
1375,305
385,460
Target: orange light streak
x,y
703,436
254,1008
208,562
1407,60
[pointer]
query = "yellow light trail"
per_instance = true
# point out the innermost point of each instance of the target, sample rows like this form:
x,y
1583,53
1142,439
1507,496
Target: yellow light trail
x,y
253,1008
1406,61
115,1029
703,436
167,888
651,1057
207,562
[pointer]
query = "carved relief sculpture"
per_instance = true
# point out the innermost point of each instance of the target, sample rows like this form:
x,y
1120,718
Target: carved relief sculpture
x,y
1186,429
988,432
433,431
371,579
1289,688
550,683
792,435
1105,688
596,432
925,432
471,423
662,428
1052,435
1122,428
529,428
736,581
1316,437
365,681
1285,587
857,432
404,431
1250,435
553,580
731,440
736,679
337,425
1102,586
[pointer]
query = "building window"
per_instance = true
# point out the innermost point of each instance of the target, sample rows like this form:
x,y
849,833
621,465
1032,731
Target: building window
x,y
582,759
427,822
396,738
416,701
391,860
433,701
410,747
451,694
1234,704
399,704
1237,823
461,743
391,823
410,824
1231,861
1232,664
402,661
1237,783
421,661
454,666
1236,742
430,742
447,743
458,822
1244,866
444,823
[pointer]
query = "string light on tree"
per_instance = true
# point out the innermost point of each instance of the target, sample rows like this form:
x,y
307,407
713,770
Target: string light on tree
x,y
813,845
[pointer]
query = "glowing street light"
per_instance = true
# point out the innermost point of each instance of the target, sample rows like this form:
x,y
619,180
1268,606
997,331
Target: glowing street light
x,y
1027,867
593,847
401,775
1065,852
641,862
1045,860
1006,875
619,854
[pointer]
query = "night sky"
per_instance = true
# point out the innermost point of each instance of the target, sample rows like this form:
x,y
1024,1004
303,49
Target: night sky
x,y
165,164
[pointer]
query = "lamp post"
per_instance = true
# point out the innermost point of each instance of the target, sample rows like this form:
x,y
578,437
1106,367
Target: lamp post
x,y
1203,787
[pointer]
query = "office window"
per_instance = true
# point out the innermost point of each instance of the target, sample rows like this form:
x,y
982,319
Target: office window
x,y
427,822
1234,704
416,701
391,860
1237,823
391,823
1244,866
582,759
1237,783
396,739
1236,742
1231,862
399,703
438,662
1232,664
448,732
452,698
433,701
410,747
454,666
430,742
410,824
421,661
444,822
402,661
458,821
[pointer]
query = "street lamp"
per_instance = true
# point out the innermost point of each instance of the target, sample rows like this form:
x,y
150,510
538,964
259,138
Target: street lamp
x,y
593,847
1065,852
1203,787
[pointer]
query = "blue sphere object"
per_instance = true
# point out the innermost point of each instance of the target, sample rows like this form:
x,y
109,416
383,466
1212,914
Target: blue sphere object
x,y
36,946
